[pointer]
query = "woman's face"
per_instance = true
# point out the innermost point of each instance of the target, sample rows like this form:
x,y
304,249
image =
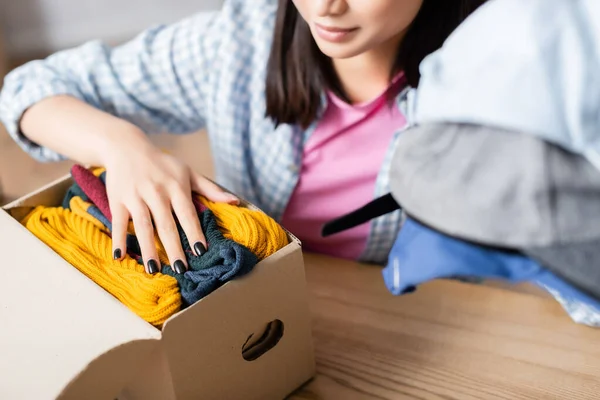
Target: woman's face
x,y
347,28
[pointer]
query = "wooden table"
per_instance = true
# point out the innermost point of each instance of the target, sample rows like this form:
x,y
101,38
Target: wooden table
x,y
448,340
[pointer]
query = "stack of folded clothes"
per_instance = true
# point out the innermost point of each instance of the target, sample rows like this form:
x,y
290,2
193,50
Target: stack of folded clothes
x,y
491,203
79,230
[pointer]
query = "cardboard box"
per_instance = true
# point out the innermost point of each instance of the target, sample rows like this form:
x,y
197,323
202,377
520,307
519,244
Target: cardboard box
x,y
64,337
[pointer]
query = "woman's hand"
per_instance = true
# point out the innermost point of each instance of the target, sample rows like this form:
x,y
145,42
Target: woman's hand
x,y
142,183
147,185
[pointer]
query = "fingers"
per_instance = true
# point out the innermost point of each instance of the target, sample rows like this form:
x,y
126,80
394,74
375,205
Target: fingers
x,y
120,221
144,232
166,201
160,207
190,223
212,191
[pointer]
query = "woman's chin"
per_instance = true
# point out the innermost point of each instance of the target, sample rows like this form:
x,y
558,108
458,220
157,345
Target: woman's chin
x,y
340,51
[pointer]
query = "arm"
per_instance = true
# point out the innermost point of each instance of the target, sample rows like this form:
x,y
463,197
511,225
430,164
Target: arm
x,y
53,129
95,105
58,107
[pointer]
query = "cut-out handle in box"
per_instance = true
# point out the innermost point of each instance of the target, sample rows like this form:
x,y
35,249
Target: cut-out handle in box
x,y
257,345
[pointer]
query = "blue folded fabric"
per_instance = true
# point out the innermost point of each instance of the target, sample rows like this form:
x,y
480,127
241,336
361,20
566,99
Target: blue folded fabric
x,y
421,254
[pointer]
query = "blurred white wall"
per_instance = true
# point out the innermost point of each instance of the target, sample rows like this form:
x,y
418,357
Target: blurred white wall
x,y
33,26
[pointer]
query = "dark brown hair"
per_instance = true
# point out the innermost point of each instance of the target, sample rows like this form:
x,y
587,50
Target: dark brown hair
x,y
297,70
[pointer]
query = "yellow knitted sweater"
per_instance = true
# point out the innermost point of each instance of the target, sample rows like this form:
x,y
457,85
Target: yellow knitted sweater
x,y
83,244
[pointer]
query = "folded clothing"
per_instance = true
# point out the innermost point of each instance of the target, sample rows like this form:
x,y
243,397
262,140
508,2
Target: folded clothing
x,y
421,254
224,259
504,189
83,243
253,229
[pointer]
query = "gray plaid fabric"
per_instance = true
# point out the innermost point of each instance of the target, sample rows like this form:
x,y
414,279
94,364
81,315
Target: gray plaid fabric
x,y
510,190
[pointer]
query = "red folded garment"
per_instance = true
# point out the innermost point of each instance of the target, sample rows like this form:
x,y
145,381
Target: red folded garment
x,y
93,187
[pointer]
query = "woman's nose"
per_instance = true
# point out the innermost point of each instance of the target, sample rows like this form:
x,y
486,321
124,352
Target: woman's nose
x,y
331,7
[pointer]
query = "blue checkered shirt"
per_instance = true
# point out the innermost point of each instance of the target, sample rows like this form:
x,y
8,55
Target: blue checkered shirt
x,y
187,76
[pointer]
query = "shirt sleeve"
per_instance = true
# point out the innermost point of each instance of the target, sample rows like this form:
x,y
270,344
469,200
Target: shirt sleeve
x,y
155,80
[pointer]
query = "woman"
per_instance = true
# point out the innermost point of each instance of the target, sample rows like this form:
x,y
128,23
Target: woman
x,y
302,100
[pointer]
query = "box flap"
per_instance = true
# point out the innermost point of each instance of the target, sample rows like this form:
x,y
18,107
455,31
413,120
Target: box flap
x,y
49,195
152,382
105,376
58,327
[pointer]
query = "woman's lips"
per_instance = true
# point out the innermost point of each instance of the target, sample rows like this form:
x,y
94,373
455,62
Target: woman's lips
x,y
333,34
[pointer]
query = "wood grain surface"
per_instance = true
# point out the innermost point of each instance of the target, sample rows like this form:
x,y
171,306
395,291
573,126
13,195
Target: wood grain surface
x,y
448,340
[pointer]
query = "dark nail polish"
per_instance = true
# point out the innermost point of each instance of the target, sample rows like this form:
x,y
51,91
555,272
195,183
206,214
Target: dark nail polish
x,y
152,267
117,254
179,266
199,248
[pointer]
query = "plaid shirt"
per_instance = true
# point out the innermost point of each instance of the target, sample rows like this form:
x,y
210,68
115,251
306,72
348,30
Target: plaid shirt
x,y
187,76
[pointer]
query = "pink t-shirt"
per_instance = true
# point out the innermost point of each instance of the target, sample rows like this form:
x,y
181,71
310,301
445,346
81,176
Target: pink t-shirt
x,y
341,160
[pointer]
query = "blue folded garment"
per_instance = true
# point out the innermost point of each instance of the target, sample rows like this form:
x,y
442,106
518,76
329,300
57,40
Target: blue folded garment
x,y
421,254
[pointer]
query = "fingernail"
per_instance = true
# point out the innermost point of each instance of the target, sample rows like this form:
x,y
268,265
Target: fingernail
x,y
117,254
152,267
199,248
179,266
233,198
